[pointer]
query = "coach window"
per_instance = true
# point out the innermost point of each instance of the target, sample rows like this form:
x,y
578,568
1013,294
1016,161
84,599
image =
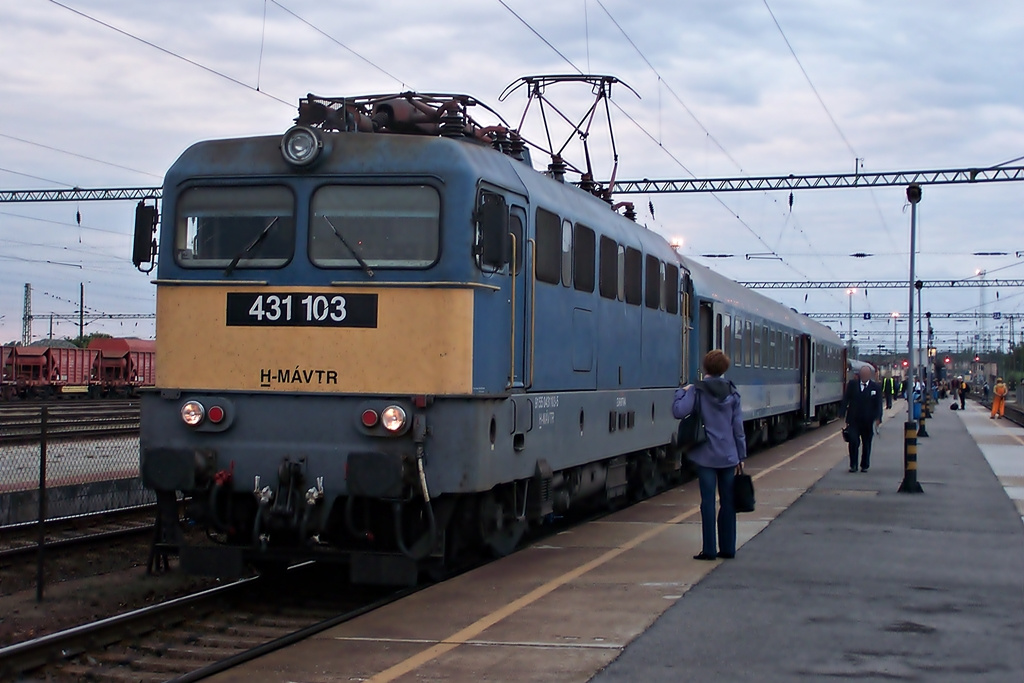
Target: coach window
x,y
583,259
633,279
549,247
609,268
566,254
375,226
727,335
215,226
718,331
654,273
671,293
773,345
757,347
748,342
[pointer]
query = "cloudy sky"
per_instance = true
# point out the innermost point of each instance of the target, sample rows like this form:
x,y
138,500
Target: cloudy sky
x,y
905,85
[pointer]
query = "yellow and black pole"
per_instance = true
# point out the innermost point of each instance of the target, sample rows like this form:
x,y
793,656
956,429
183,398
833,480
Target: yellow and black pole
x,y
910,483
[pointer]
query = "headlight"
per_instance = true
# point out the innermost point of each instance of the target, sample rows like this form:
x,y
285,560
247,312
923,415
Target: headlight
x,y
192,413
393,418
301,146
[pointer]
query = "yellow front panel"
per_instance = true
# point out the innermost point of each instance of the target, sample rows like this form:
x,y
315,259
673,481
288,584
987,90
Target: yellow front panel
x,y
423,344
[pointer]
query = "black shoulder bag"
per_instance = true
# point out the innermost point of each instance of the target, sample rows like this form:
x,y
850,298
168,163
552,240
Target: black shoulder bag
x,y
691,428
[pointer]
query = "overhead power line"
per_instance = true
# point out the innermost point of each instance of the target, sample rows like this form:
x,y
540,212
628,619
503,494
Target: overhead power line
x,y
884,317
75,154
171,53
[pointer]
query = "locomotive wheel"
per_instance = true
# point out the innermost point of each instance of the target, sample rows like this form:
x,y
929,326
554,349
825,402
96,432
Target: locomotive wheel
x,y
500,529
648,479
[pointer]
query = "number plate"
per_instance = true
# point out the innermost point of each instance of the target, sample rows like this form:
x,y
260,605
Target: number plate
x,y
247,309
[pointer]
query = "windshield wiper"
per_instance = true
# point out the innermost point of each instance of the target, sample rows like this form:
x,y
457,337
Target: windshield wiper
x,y
359,259
252,245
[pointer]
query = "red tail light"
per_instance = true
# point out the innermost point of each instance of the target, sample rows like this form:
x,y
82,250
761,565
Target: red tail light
x,y
370,418
215,414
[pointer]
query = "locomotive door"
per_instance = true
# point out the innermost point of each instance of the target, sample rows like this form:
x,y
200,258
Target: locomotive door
x,y
521,270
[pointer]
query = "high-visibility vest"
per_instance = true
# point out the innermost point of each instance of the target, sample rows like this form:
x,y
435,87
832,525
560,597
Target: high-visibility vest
x,y
1000,389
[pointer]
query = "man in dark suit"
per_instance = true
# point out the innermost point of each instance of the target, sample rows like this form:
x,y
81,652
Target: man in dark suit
x,y
862,405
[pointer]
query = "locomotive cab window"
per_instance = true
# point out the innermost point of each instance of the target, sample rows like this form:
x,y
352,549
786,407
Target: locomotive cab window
x,y
566,254
254,227
375,226
672,290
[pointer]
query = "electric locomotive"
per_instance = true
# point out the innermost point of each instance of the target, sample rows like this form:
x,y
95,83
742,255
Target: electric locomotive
x,y
384,337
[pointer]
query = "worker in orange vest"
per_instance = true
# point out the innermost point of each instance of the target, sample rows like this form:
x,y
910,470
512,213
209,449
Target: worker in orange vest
x,y
998,399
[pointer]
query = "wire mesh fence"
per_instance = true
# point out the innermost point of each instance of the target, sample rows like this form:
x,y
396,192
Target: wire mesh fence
x,y
75,459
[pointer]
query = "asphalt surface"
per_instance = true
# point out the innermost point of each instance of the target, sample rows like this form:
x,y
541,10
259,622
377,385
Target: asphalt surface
x,y
858,582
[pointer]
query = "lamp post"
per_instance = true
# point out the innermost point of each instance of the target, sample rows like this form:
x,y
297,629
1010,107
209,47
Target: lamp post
x,y
849,329
895,332
910,484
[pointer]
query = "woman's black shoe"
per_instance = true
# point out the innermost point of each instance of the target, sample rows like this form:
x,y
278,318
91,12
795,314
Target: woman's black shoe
x,y
853,469
702,556
727,556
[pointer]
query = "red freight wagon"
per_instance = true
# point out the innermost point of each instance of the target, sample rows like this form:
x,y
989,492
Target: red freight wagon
x,y
120,363
71,369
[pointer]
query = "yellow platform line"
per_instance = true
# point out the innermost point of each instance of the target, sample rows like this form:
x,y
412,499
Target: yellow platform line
x,y
470,632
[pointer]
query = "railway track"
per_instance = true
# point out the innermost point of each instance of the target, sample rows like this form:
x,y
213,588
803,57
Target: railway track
x,y
20,423
192,637
22,541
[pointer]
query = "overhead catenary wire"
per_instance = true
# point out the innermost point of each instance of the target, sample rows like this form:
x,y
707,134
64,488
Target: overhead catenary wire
x,y
649,135
342,45
170,53
75,154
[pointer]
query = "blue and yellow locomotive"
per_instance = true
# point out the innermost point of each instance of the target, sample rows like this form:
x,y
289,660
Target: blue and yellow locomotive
x,y
384,336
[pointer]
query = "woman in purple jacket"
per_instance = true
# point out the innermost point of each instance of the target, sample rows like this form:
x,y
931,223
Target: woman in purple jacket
x,y
719,458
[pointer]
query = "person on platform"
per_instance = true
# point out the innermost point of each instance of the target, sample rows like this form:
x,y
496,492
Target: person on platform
x,y
888,390
962,392
719,458
862,406
999,392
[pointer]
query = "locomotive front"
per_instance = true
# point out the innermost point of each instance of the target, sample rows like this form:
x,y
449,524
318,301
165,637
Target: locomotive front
x,y
316,305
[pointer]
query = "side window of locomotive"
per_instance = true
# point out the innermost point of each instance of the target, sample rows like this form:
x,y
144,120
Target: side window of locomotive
x,y
634,276
653,276
609,268
584,259
515,228
718,331
620,272
671,293
214,225
375,226
549,247
566,254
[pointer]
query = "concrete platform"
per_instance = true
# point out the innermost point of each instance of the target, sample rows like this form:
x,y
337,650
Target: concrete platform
x,y
858,582
850,580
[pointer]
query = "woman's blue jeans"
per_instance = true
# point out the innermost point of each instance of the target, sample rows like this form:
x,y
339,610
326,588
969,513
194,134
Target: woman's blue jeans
x,y
709,478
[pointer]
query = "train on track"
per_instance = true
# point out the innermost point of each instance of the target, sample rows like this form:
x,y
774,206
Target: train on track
x,y
385,336
108,368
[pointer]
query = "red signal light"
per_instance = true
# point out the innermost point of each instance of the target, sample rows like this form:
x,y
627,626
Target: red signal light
x,y
215,414
906,363
370,418
948,360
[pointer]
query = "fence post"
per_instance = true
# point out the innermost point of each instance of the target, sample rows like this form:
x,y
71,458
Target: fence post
x,y
40,560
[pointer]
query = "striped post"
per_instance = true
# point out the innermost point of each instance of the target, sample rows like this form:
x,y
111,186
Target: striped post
x,y
910,483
